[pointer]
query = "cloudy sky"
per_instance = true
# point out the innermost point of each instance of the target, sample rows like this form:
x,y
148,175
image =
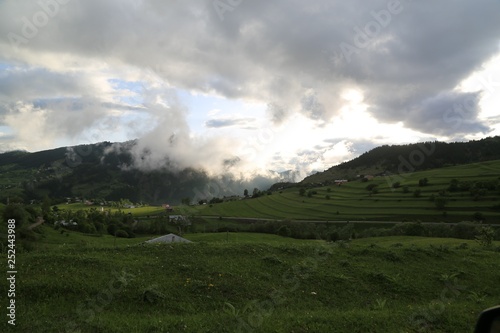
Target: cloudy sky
x,y
246,85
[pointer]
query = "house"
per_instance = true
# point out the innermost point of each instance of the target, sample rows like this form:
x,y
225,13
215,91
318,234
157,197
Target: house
x,y
170,238
340,181
168,208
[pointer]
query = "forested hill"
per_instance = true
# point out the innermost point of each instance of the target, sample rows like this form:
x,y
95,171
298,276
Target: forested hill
x,y
87,171
411,157
96,172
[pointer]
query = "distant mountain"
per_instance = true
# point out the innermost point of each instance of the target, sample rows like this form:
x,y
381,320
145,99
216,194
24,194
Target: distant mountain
x,y
97,172
409,158
86,171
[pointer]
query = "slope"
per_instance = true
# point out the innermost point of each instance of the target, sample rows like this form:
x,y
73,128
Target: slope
x,y
392,197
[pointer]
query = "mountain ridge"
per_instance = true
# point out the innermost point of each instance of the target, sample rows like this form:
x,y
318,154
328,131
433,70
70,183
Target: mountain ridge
x,y
398,159
96,171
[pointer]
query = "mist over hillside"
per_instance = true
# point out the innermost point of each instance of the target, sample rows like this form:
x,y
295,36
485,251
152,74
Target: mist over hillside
x,y
112,171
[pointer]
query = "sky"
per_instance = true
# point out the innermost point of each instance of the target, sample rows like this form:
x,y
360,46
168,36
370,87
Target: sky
x,y
247,86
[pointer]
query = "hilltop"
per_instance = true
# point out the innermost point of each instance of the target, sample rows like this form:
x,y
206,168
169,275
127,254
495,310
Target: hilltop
x,y
105,171
397,159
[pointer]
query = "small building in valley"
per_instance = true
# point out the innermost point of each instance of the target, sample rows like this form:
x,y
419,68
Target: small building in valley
x,y
170,238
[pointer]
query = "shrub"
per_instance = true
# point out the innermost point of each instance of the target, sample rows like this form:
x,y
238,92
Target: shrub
x,y
478,216
121,233
453,185
485,236
423,182
334,236
440,202
284,231
465,230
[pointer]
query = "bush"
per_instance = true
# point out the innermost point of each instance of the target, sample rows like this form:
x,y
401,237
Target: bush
x,y
478,216
414,229
284,231
440,202
334,236
17,212
121,233
423,182
453,185
465,230
485,236
112,228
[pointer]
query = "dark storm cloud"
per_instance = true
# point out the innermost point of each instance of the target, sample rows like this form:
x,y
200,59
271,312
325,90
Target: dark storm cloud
x,y
448,114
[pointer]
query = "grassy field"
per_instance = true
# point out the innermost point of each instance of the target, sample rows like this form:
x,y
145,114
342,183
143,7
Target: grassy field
x,y
352,201
138,211
253,283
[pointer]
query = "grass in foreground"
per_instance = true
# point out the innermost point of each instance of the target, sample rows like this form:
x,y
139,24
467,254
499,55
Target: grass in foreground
x,y
261,283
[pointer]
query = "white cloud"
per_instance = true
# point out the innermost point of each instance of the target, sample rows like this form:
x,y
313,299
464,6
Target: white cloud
x,y
104,70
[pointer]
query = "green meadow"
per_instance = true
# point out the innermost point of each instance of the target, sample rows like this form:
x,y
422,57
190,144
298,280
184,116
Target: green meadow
x,y
352,201
138,211
242,282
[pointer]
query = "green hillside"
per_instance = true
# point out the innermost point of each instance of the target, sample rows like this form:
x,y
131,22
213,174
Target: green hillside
x,y
411,157
253,283
477,195
96,172
105,172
